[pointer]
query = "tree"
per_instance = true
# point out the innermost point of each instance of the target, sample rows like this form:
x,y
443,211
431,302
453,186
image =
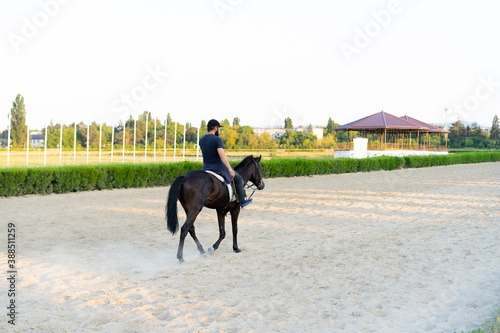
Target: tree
x,y
18,129
229,136
288,123
191,134
129,132
475,130
68,136
495,131
203,128
457,131
266,141
3,139
330,127
143,116
244,133
236,121
310,129
328,141
253,141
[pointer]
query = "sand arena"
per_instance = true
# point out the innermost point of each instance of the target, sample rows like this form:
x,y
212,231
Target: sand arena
x,y
400,251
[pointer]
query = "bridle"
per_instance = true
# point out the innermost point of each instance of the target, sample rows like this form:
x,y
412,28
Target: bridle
x,y
253,187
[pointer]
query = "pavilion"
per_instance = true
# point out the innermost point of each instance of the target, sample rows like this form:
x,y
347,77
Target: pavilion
x,y
396,136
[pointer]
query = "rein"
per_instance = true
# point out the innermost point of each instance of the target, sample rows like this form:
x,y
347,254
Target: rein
x,y
251,187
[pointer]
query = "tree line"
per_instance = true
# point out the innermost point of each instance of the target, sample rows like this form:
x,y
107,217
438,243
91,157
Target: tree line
x,y
472,136
234,135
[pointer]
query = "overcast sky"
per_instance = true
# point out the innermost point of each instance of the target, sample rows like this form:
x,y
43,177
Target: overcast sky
x,y
259,60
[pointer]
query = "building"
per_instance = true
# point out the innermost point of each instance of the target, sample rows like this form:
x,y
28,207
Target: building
x,y
37,139
3,141
316,131
393,136
275,133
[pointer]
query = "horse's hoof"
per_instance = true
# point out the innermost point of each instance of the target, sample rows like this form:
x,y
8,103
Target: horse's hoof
x,y
210,250
237,250
181,260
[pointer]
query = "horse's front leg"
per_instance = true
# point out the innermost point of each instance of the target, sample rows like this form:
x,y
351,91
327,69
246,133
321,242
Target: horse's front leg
x,y
234,221
221,217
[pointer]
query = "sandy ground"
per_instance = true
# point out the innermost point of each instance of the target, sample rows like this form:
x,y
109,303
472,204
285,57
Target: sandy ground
x,y
414,250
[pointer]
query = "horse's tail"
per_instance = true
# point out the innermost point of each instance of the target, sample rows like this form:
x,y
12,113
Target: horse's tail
x,y
171,206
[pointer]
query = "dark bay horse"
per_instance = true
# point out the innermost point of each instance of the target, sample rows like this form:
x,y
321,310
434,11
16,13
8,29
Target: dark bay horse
x,y
197,189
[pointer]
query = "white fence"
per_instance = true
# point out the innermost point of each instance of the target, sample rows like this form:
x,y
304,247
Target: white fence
x,y
124,153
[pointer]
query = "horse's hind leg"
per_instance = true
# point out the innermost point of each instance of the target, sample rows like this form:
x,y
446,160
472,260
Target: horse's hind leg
x,y
184,231
198,244
186,227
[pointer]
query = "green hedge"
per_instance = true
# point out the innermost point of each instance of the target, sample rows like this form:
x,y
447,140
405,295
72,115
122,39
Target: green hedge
x,y
291,167
46,180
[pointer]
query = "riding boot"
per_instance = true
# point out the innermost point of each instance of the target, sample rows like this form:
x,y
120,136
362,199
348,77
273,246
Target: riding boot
x,y
240,191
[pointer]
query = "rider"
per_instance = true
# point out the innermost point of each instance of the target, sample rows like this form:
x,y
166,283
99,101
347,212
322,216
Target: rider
x,y
215,160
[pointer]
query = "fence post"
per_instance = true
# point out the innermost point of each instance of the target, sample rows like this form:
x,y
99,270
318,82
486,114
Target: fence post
x,y
184,144
146,143
28,146
165,142
100,141
154,146
112,140
8,141
88,134
175,139
45,148
123,157
74,146
198,145
135,126
60,145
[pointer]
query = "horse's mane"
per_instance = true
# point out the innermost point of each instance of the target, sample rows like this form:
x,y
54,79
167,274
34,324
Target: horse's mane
x,y
243,164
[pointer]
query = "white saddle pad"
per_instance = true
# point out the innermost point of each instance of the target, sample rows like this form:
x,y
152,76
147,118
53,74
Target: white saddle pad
x,y
232,197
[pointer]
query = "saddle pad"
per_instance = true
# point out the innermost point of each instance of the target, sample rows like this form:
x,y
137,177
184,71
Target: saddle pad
x,y
232,197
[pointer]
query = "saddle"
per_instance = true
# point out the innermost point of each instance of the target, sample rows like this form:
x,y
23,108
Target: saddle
x,y
232,195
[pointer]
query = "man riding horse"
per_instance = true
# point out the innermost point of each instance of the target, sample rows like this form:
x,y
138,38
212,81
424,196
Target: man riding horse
x,y
215,160
197,189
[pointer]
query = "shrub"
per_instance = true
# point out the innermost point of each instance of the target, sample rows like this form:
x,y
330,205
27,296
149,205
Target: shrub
x,y
47,180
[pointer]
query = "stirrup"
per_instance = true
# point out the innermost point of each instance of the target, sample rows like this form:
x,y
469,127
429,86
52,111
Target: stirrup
x,y
245,203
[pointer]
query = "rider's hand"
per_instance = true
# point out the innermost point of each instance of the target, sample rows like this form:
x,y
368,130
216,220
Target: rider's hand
x,y
231,172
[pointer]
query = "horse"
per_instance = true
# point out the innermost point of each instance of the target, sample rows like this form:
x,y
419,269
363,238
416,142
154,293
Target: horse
x,y
197,189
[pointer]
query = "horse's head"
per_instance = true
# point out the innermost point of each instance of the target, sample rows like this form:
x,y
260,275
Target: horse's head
x,y
250,171
256,175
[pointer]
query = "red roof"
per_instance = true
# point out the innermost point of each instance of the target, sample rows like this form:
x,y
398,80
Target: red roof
x,y
384,120
427,127
381,120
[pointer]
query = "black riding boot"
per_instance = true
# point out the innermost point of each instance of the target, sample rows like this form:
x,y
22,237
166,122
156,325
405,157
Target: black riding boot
x,y
240,190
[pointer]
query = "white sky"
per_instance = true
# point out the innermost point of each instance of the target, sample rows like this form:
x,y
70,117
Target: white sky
x,y
260,60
